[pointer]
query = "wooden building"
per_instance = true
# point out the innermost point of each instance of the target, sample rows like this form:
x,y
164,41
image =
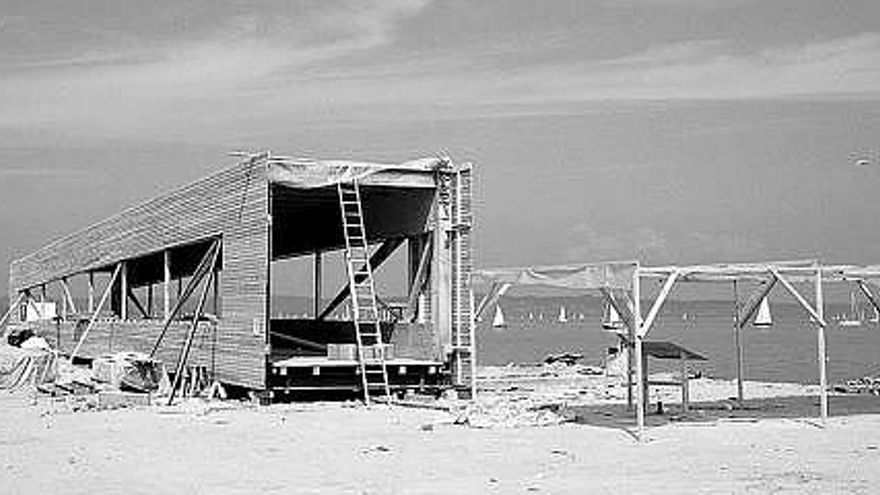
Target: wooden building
x,y
142,265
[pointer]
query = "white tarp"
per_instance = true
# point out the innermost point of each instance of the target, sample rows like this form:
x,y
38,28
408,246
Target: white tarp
x,y
307,174
593,276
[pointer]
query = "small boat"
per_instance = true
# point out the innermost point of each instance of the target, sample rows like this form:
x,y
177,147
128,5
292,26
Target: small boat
x,y
498,320
531,315
852,319
763,318
563,318
611,319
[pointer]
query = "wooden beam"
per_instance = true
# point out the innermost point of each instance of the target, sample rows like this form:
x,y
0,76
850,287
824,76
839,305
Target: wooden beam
x,y
378,257
800,299
420,278
754,302
184,353
150,300
8,313
123,291
68,296
869,294
737,337
823,357
624,312
658,303
94,317
166,283
318,276
201,270
137,303
91,303
639,361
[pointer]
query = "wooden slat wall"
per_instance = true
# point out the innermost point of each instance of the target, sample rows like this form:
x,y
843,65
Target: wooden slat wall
x,y
232,203
461,256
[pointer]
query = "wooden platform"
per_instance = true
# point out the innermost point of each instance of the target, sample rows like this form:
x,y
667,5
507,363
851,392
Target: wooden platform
x,y
316,373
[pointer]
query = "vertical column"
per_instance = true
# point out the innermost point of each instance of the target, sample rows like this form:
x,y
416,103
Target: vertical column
x,y
123,291
639,362
823,379
737,337
64,298
166,283
215,284
685,386
91,292
319,278
150,300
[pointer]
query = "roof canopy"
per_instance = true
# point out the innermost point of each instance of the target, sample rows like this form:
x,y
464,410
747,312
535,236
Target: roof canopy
x,y
310,174
612,275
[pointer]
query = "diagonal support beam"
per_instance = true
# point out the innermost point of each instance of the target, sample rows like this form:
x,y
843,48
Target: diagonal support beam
x,y
205,266
624,312
194,326
420,278
869,294
9,311
658,303
800,299
98,309
491,298
136,302
68,296
378,257
754,302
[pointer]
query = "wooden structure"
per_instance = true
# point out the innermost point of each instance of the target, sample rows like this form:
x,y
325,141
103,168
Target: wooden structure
x,y
669,351
224,231
621,286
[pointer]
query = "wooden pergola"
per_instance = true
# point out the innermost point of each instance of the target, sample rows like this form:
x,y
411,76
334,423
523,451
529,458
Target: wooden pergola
x,y
620,284
767,275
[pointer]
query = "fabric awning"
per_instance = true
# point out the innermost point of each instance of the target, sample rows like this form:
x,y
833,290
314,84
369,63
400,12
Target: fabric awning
x,y
612,275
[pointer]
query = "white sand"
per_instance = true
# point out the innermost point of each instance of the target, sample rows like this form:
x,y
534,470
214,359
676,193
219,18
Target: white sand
x,y
345,448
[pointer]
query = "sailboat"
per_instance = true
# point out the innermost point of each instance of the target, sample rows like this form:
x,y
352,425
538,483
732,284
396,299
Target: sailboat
x,y
498,320
562,316
852,319
876,318
611,320
763,318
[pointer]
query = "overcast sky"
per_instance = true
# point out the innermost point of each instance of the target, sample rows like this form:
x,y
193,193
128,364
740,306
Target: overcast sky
x,y
673,130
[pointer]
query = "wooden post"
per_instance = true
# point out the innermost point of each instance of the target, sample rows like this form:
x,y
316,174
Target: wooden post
x,y
150,300
63,301
43,293
104,297
215,285
737,337
166,283
319,276
123,288
685,386
823,379
637,323
91,292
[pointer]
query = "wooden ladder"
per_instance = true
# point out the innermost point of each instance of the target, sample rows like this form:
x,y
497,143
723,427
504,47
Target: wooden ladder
x,y
367,330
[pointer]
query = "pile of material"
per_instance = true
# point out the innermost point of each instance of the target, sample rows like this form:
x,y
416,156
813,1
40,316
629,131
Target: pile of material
x,y
26,368
501,413
131,371
864,385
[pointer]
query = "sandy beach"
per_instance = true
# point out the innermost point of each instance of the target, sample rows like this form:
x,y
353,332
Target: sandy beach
x,y
64,445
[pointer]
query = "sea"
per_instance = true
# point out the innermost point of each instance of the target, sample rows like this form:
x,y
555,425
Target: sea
x,y
784,352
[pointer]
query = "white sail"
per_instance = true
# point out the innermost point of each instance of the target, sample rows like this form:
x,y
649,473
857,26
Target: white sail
x,y
852,319
763,319
611,319
498,321
562,316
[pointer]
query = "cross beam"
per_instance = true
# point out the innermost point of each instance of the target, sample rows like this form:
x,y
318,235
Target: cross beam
x,y
379,256
94,317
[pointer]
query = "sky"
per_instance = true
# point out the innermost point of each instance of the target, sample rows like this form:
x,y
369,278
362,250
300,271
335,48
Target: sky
x,y
675,131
